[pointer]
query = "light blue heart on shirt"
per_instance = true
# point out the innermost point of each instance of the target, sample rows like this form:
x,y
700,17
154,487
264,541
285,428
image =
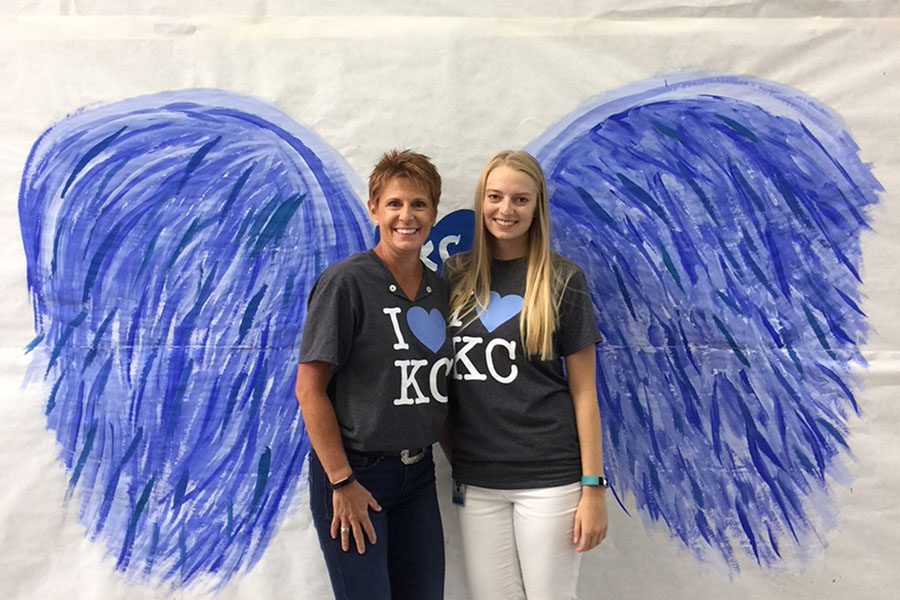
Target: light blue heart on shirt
x,y
430,328
500,310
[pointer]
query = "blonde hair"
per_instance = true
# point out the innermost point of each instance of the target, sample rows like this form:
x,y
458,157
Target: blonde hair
x,y
470,275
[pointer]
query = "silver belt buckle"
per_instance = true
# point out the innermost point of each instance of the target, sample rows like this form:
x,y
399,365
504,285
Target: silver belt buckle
x,y
408,459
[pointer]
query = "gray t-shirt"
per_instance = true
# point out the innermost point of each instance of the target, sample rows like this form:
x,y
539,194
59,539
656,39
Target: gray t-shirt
x,y
389,356
512,417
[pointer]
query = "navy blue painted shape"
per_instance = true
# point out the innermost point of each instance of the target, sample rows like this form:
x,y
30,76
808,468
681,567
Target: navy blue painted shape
x,y
451,235
718,221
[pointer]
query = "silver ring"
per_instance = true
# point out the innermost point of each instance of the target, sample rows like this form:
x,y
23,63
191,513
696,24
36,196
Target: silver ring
x,y
345,530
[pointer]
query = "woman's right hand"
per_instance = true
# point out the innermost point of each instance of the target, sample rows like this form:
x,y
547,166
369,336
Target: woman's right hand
x,y
351,505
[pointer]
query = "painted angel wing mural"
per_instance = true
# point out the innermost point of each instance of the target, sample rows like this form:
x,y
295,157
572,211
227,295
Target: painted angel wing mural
x,y
171,243
172,240
718,221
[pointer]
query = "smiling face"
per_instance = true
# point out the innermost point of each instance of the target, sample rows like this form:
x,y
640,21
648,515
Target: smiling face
x,y
404,214
508,207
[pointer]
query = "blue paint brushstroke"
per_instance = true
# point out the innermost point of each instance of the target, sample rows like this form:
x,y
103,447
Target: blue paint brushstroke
x,y
726,212
171,242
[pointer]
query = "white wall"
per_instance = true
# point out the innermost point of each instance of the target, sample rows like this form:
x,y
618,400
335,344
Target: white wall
x,y
482,77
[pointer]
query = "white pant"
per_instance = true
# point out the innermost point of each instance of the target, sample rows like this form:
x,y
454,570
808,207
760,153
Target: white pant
x,y
518,543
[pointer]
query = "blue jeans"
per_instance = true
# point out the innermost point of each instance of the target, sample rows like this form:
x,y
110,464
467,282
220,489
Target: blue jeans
x,y
407,561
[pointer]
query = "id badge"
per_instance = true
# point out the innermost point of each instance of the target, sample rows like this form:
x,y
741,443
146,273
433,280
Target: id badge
x,y
459,493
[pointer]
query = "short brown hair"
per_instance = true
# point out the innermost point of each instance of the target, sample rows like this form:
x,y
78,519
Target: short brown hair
x,y
410,165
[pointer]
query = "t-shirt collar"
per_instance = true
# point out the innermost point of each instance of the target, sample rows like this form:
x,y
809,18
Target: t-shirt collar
x,y
425,287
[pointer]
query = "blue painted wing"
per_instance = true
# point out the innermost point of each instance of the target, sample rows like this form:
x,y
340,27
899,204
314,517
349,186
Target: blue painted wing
x,y
171,243
718,221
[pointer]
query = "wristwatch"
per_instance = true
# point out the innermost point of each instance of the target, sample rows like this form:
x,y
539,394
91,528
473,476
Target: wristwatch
x,y
342,483
595,481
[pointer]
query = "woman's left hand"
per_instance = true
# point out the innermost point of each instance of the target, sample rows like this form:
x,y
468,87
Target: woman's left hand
x,y
590,518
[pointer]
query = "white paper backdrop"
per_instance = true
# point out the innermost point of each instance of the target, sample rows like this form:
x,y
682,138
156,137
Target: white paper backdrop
x,y
457,83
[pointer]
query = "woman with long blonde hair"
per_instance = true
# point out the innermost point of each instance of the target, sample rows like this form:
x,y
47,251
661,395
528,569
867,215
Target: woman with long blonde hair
x,y
524,439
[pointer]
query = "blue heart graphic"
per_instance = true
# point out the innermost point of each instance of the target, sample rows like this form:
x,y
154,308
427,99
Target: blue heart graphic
x,y
500,310
430,328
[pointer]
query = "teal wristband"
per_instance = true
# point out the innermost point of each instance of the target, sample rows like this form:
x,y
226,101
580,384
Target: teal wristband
x,y
594,481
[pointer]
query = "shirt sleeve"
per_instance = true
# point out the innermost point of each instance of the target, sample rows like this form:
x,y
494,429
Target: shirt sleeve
x,y
577,324
331,317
